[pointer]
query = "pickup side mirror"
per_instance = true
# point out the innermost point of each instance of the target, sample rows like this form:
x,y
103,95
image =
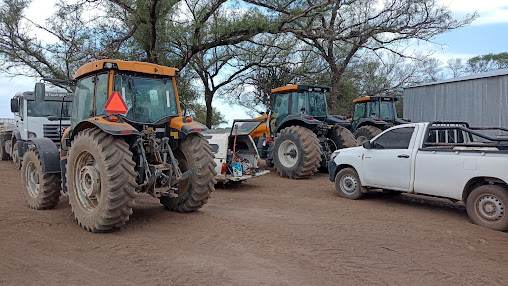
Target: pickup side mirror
x,y
40,92
14,105
367,145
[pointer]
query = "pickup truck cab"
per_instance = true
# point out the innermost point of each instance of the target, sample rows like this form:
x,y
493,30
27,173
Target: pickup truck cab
x,y
440,159
236,155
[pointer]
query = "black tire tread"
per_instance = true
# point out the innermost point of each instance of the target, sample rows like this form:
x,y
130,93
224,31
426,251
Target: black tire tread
x,y
49,184
120,185
202,182
368,131
311,149
499,191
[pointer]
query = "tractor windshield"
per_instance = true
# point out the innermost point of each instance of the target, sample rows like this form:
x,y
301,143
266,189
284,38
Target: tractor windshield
x,y
384,110
317,104
148,99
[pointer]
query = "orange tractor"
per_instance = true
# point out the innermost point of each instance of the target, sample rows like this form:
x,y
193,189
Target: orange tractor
x,y
127,135
299,135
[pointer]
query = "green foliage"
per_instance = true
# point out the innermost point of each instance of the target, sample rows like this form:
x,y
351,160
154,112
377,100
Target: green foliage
x,y
487,63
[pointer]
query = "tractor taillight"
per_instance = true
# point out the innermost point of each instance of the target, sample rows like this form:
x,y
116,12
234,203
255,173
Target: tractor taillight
x,y
224,168
188,119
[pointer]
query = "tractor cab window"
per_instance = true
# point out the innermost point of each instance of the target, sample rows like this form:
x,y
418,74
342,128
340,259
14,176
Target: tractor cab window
x,y
280,109
82,106
101,93
317,104
387,110
148,99
299,103
359,111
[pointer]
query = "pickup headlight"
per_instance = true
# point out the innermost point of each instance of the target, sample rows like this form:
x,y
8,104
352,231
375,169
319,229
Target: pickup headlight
x,y
32,135
334,154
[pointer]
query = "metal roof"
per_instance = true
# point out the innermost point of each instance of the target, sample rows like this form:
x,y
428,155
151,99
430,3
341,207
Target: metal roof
x,y
494,73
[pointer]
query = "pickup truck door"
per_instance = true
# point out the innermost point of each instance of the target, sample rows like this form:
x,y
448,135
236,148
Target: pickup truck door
x,y
389,163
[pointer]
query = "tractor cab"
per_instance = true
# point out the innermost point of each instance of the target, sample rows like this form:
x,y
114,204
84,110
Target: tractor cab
x,y
298,102
372,115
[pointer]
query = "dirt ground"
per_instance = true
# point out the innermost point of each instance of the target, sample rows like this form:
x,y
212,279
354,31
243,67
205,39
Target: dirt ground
x,y
267,231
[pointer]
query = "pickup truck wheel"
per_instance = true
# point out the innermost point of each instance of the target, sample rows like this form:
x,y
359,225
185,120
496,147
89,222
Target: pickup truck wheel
x,y
347,184
486,206
296,152
366,133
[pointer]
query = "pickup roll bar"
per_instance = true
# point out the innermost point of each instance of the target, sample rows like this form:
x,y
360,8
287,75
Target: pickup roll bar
x,y
460,126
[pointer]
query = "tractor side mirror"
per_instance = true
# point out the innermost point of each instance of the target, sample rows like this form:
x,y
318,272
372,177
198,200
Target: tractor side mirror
x,y
14,105
348,110
265,98
40,92
367,145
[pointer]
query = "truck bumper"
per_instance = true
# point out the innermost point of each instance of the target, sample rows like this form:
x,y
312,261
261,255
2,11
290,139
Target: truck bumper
x,y
332,168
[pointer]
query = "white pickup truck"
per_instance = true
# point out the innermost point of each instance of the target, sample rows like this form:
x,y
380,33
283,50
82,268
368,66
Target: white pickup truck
x,y
440,159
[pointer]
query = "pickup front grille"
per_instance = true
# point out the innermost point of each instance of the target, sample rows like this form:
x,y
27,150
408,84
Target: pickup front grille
x,y
52,131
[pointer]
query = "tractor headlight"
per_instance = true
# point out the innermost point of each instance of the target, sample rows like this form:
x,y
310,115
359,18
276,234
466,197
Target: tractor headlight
x,y
334,154
32,135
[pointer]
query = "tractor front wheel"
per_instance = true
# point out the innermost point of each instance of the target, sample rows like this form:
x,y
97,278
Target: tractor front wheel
x,y
101,180
297,152
193,152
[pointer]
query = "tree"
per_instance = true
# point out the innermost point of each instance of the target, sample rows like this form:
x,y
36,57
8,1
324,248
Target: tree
x,y
340,31
487,62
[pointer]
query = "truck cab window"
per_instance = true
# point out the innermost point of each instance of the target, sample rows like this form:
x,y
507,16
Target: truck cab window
x,y
395,139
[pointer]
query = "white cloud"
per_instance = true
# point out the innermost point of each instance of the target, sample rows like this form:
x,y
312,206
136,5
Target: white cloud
x,y
490,11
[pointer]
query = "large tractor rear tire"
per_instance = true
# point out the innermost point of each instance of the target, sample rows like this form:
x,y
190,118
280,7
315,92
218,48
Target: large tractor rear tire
x,y
193,192
341,138
101,180
296,152
366,133
42,190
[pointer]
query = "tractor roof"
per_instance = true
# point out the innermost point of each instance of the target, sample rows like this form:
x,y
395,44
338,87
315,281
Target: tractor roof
x,y
300,87
141,67
375,98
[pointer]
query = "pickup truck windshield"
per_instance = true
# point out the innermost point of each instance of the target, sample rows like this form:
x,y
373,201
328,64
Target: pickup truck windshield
x,y
148,99
48,108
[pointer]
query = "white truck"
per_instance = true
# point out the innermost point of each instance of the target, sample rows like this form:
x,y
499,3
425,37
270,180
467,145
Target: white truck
x,y
236,155
35,120
440,159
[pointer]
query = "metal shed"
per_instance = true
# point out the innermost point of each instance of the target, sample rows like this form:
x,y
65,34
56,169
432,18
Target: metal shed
x,y
479,99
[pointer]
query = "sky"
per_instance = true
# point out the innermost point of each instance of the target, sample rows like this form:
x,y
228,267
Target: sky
x,y
487,34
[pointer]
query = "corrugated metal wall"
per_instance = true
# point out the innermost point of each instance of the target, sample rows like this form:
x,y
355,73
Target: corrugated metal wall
x,y
481,102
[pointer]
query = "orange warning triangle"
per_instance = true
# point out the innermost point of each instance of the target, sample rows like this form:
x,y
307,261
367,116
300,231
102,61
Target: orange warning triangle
x,y
116,104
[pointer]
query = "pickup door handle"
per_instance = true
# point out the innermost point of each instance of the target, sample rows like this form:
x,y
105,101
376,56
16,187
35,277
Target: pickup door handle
x,y
403,156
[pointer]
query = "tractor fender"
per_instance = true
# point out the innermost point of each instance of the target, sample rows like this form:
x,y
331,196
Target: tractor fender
x,y
193,127
113,128
370,121
299,121
48,151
